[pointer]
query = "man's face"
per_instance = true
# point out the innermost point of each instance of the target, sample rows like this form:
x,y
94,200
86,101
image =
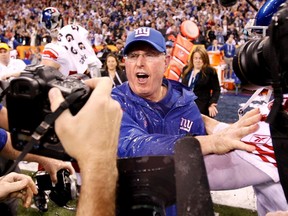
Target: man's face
x,y
4,56
145,67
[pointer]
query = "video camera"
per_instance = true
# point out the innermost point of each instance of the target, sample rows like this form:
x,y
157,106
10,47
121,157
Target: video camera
x,y
28,107
264,62
257,61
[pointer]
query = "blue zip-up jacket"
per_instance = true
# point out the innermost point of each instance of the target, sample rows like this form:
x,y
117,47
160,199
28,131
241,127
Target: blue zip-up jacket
x,y
146,131
149,128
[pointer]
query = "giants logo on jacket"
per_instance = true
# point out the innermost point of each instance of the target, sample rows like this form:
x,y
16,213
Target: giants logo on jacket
x,y
186,124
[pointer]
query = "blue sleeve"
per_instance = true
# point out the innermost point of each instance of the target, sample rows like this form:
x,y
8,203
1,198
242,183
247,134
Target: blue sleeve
x,y
3,138
234,51
136,142
1,106
222,48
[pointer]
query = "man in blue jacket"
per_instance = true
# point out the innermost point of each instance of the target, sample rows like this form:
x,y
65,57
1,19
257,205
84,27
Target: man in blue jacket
x,y
157,112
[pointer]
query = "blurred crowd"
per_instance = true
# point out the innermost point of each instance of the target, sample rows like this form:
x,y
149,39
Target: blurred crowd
x,y
110,21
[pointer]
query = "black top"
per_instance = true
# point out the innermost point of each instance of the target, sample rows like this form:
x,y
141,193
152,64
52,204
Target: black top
x,y
119,78
206,88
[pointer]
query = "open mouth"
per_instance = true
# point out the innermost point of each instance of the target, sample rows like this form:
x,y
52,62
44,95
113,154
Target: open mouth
x,y
142,77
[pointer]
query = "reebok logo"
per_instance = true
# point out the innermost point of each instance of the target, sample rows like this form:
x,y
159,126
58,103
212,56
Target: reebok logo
x,y
142,32
260,139
186,124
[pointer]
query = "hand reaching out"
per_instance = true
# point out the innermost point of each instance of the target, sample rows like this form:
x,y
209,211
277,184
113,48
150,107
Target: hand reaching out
x,y
15,185
52,166
226,140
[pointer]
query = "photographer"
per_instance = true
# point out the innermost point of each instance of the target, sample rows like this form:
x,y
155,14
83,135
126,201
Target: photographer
x,y
102,170
8,152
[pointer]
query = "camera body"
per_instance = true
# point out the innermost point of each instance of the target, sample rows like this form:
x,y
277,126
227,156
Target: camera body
x,y
28,104
264,61
61,193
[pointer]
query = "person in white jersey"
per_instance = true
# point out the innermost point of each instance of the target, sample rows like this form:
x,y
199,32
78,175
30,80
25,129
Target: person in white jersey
x,y
69,51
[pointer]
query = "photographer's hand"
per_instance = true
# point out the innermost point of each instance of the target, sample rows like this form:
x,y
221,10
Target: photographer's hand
x,y
91,137
52,166
15,185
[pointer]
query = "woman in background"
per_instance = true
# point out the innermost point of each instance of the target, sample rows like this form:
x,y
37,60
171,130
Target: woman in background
x,y
202,79
113,69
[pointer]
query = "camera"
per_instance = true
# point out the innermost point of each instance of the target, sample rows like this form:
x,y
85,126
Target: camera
x,y
60,194
149,185
28,105
257,61
264,62
146,185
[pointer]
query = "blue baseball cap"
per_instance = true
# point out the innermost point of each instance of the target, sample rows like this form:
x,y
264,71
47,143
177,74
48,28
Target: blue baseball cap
x,y
148,35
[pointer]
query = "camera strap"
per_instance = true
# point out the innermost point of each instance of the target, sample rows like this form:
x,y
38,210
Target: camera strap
x,y
3,93
44,126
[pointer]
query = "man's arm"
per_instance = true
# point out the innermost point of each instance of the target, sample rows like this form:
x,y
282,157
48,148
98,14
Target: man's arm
x,y
91,137
136,140
50,63
98,190
49,164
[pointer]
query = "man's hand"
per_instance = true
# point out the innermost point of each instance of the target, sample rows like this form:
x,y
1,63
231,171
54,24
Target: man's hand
x,y
91,137
16,185
229,139
93,132
52,166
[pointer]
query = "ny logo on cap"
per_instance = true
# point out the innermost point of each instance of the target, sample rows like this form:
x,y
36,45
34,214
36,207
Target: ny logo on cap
x,y
142,32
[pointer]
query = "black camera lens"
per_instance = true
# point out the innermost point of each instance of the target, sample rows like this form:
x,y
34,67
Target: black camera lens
x,y
251,63
147,186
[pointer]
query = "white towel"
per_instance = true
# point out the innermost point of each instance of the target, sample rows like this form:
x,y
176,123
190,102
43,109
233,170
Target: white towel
x,y
75,39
